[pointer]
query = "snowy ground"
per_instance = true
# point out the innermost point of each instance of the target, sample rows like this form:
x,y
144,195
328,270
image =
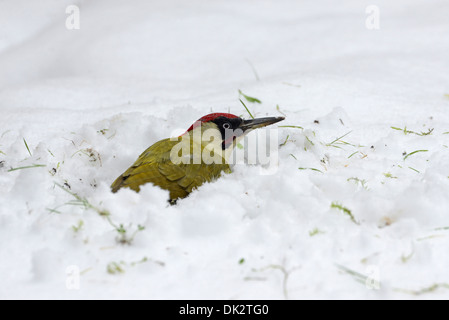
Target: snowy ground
x,y
88,102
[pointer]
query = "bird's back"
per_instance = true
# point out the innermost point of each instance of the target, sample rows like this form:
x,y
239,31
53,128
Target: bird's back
x,y
155,166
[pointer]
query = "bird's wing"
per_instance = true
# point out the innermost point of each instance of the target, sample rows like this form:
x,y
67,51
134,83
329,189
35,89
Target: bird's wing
x,y
154,165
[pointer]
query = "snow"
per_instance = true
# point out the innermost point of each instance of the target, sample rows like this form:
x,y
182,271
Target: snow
x,y
89,101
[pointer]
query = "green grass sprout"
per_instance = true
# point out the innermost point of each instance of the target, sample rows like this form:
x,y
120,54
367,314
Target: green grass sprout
x,y
248,98
352,154
122,238
339,141
389,175
414,152
115,267
247,110
78,227
429,289
291,84
405,131
27,167
143,260
285,142
279,110
361,278
441,228
26,145
345,210
406,258
313,169
294,127
310,141
121,266
315,232
357,181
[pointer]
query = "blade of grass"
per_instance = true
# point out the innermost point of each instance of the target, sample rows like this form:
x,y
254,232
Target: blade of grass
x,y
389,175
315,232
248,98
294,127
78,200
356,275
362,182
27,167
313,169
26,145
291,84
419,292
330,144
247,109
353,154
345,210
414,169
412,153
405,131
310,141
279,110
441,228
54,211
285,142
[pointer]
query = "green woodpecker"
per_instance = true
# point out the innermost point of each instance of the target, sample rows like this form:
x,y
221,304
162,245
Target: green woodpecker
x,y
200,155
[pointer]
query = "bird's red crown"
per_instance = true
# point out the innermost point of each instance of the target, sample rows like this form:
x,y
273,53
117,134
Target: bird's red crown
x,y
211,117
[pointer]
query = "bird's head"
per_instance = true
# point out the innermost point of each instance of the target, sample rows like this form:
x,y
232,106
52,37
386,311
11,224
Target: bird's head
x,y
231,128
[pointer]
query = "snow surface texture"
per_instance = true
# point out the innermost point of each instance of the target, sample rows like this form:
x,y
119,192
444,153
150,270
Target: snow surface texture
x,y
88,102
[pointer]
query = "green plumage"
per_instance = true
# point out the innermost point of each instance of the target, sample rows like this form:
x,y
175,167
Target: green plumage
x,y
154,165
182,164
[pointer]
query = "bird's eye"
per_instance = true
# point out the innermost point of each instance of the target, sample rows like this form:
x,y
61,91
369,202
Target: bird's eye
x,y
226,125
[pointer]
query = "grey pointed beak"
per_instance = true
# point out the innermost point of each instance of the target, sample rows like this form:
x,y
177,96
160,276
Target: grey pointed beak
x,y
251,124
247,126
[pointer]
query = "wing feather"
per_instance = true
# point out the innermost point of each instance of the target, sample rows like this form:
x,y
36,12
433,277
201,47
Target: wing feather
x,y
154,166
